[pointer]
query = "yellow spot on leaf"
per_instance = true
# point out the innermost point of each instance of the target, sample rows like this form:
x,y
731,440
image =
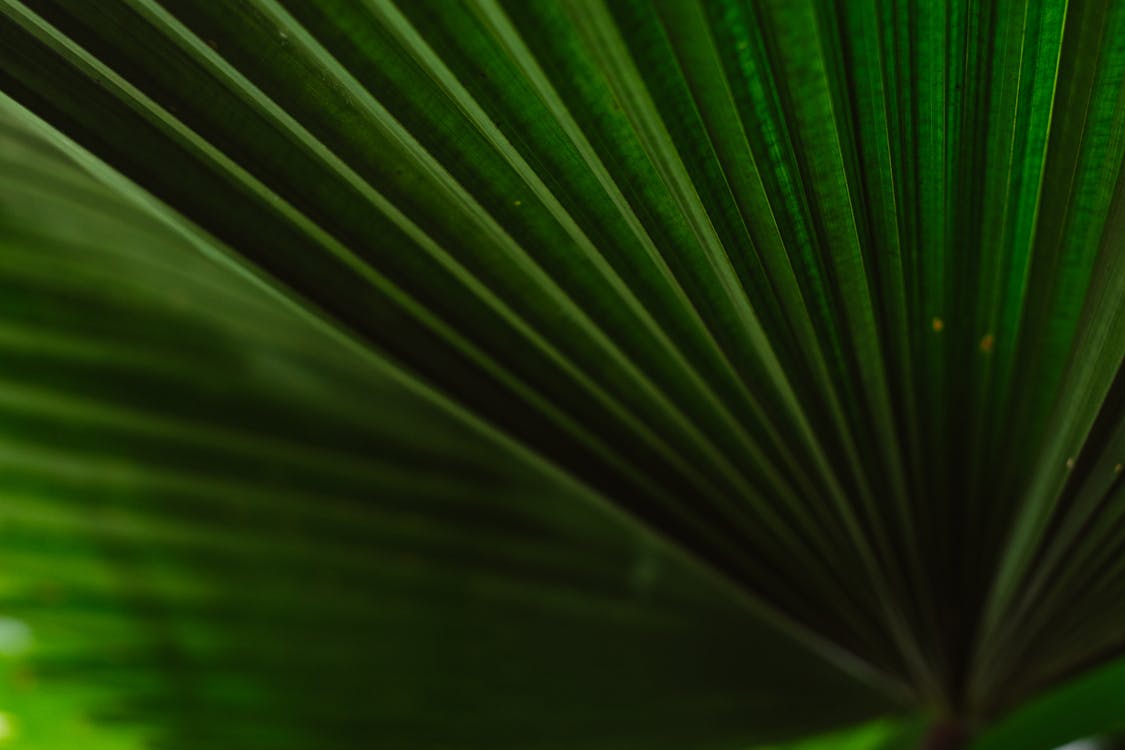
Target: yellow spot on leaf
x,y
1117,469
987,343
1070,463
938,325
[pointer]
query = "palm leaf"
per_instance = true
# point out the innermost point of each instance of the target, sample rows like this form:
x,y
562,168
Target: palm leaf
x,y
241,507
820,306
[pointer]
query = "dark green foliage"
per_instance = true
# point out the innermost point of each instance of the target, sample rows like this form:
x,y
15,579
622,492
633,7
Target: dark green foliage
x,y
564,374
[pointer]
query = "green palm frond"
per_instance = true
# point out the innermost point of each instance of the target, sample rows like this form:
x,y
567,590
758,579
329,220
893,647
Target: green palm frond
x,y
233,521
569,373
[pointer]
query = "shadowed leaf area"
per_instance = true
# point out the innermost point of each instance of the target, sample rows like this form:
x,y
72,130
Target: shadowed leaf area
x,y
623,374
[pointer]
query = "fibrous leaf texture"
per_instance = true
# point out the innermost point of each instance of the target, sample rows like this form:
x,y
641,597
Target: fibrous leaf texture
x,y
562,374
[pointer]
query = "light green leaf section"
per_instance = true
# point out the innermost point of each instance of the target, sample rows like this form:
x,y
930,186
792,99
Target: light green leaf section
x,y
877,735
1090,706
